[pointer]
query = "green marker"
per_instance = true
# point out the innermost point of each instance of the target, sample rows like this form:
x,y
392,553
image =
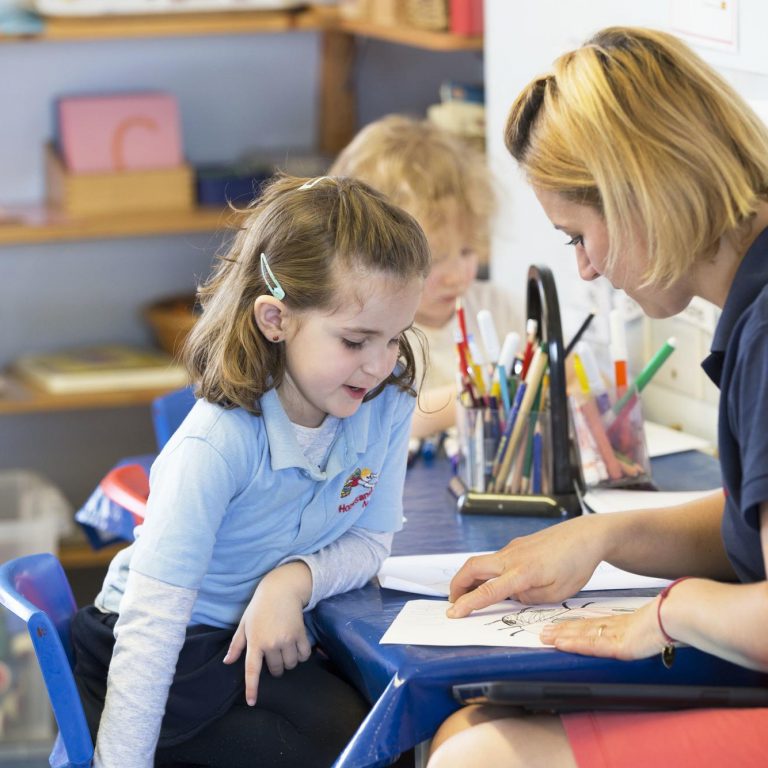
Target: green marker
x,y
642,379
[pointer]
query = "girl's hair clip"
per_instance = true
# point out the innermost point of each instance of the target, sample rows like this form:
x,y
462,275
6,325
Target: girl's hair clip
x,y
268,275
311,183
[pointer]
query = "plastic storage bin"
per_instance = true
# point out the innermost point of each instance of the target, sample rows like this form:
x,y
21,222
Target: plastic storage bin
x,y
33,513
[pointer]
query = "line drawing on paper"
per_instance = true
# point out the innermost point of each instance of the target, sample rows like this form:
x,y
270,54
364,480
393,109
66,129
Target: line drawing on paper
x,y
532,618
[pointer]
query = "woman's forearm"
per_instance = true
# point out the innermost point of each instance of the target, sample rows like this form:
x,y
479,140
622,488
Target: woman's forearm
x,y
674,541
728,620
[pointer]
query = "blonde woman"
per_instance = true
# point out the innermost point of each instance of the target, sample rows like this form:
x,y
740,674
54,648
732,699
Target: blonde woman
x,y
446,186
656,173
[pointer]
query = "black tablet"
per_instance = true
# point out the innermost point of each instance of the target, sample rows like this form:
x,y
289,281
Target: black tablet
x,y
574,697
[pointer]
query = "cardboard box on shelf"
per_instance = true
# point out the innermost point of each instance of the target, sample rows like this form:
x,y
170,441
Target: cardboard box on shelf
x,y
93,194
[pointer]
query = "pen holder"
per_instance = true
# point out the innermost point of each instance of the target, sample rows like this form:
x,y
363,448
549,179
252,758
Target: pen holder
x,y
481,436
557,492
611,437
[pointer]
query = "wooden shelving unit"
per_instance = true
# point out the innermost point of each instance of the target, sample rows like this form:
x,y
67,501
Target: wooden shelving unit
x,y
26,226
336,126
418,38
17,397
114,27
80,554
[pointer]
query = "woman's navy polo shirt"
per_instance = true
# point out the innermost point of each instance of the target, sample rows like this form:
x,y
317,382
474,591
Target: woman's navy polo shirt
x,y
738,364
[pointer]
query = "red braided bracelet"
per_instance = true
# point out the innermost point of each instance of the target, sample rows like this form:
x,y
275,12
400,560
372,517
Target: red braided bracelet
x,y
668,651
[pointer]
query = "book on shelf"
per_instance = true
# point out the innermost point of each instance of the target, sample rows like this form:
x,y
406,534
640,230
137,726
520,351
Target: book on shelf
x,y
101,368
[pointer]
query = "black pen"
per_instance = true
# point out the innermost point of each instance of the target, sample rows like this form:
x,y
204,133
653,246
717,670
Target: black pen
x,y
577,336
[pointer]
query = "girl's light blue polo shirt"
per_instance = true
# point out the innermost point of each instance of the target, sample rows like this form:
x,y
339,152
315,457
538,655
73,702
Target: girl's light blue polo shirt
x,y
232,495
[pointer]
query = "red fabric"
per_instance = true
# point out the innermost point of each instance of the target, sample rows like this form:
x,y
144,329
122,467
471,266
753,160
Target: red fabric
x,y
694,738
466,17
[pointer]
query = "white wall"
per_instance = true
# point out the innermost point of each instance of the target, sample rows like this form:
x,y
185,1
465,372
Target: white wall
x,y
522,40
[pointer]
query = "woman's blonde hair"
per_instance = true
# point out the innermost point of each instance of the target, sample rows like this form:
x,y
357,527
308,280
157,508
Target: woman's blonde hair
x,y
314,235
424,169
638,126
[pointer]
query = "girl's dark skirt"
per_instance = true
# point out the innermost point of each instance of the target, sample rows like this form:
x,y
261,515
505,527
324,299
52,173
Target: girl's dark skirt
x,y
303,718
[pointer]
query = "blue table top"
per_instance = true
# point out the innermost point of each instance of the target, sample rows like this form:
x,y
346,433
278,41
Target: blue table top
x,y
410,686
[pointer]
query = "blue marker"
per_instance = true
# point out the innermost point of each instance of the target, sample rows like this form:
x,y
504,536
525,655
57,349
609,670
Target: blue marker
x,y
501,372
537,439
430,446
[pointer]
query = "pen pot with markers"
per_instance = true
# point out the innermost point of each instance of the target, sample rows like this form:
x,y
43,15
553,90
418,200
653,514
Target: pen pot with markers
x,y
611,437
483,443
521,459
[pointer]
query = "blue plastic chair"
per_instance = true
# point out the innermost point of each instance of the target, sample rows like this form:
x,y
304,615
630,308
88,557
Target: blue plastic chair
x,y
35,588
168,411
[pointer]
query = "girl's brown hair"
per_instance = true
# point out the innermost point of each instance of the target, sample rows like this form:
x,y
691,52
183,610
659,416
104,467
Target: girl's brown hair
x,y
637,125
312,233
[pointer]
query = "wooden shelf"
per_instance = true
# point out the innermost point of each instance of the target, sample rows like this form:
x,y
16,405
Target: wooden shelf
x,y
17,398
417,38
44,225
80,554
113,26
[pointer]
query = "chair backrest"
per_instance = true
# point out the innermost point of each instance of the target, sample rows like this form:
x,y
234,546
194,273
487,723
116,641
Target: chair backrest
x,y
35,588
128,486
168,411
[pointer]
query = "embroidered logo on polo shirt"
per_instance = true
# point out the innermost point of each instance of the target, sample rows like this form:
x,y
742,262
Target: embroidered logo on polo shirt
x,y
361,478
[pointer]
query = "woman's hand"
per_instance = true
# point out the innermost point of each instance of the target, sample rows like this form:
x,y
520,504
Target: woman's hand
x,y
630,636
272,627
545,567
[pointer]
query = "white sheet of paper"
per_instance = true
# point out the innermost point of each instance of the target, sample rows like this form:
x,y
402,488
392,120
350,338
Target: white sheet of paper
x,y
662,441
508,624
431,575
615,500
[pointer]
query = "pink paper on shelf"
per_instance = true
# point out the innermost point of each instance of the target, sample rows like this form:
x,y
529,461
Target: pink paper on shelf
x,y
119,132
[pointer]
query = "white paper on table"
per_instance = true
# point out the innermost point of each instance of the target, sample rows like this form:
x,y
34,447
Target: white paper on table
x,y
431,575
616,500
662,441
508,624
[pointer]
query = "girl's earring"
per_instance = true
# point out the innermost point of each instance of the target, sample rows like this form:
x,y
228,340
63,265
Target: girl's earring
x,y
275,338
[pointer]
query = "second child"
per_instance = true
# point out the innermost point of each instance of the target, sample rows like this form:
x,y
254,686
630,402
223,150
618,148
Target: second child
x,y
445,184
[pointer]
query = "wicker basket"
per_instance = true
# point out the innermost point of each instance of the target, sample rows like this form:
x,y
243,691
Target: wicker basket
x,y
427,14
171,320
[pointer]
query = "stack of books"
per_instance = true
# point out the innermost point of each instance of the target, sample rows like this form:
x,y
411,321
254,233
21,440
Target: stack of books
x,y
101,368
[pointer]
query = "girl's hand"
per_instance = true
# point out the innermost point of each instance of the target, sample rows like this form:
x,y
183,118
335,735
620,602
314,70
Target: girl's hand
x,y
630,636
545,567
272,628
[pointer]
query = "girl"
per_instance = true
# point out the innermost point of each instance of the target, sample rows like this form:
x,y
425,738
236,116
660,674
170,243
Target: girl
x,y
283,486
446,185
657,172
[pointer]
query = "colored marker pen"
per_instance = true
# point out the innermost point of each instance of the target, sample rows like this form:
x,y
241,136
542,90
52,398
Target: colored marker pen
x,y
648,372
618,350
596,383
531,327
509,350
462,321
489,336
